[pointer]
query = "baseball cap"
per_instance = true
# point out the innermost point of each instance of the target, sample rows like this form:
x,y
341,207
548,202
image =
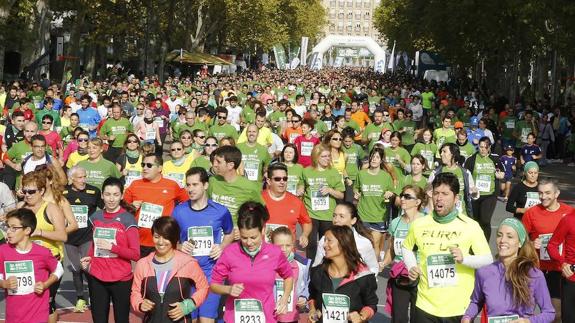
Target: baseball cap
x,y
458,125
509,147
474,121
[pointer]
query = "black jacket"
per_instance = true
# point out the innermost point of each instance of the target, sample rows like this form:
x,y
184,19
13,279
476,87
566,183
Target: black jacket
x,y
360,287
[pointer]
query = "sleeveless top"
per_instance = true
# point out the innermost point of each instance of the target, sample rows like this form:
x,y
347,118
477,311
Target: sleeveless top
x,y
43,223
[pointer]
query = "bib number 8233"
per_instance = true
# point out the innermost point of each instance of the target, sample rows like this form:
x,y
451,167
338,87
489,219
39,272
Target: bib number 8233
x,y
250,319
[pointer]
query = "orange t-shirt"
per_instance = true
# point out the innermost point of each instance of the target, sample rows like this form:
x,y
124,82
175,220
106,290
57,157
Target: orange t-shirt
x,y
165,193
289,211
290,134
361,118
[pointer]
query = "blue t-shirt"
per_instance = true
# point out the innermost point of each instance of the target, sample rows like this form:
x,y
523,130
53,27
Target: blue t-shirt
x,y
508,162
215,215
89,118
529,151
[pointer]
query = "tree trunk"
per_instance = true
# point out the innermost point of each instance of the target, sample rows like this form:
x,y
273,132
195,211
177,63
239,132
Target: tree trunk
x,y
166,41
72,50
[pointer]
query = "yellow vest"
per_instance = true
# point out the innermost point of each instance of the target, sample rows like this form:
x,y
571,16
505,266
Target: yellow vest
x,y
56,247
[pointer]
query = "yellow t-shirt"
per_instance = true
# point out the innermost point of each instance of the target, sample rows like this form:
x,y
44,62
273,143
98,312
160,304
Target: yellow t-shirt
x,y
453,283
74,159
177,173
56,247
265,137
339,163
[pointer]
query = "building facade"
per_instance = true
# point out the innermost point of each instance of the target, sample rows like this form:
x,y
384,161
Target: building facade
x,y
351,18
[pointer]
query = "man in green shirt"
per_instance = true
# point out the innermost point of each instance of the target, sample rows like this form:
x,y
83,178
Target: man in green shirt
x,y
36,95
255,157
445,134
227,187
222,128
115,130
48,109
191,124
523,128
507,128
373,130
17,153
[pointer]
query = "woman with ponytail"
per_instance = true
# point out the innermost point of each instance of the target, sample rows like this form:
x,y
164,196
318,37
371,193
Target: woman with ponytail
x,y
512,287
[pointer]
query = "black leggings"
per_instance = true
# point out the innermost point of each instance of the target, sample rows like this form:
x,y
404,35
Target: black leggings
x,y
567,300
424,317
318,229
100,295
483,209
403,299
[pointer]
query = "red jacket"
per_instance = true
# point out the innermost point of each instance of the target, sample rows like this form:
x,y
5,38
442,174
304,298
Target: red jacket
x,y
564,235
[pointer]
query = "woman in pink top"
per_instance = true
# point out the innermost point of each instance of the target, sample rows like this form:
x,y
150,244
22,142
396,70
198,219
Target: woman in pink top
x,y
250,267
305,143
52,137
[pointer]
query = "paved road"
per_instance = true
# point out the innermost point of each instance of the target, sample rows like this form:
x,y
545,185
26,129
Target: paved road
x,y
565,175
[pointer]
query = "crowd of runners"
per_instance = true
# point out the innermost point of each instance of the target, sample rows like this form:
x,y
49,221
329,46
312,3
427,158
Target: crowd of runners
x,y
283,196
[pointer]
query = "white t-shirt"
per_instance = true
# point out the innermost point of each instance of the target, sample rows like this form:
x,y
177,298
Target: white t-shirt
x,y
300,110
234,116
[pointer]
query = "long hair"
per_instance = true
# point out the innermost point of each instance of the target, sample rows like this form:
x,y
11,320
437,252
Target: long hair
x,y
358,226
54,182
518,273
346,240
388,167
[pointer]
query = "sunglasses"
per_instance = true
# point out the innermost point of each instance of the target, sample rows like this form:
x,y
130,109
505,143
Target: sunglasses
x,y
222,117
82,139
29,192
407,196
210,145
132,141
148,165
186,137
201,137
176,149
295,121
279,179
336,139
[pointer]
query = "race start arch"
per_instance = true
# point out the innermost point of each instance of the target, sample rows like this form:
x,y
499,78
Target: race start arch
x,y
318,52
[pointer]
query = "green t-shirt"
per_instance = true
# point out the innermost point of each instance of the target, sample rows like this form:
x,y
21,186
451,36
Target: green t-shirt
x,y
248,114
41,113
508,126
353,125
233,195
408,135
96,173
295,179
203,162
522,130
428,151
426,99
484,175
353,155
119,129
372,207
67,134
372,132
467,150
320,128
254,159
408,180
321,207
19,151
226,130
36,97
392,155
443,136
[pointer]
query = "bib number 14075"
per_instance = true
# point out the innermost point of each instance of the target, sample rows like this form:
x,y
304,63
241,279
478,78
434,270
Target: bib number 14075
x,y
441,271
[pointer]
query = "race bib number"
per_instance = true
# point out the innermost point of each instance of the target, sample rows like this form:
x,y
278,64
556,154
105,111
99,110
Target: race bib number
x,y
270,227
398,241
81,215
202,238
132,176
178,178
148,214
532,199
248,311
543,252
335,308
441,271
510,124
483,183
328,124
108,234
280,291
24,273
292,185
150,134
502,319
159,122
306,148
524,134
292,137
319,202
251,170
